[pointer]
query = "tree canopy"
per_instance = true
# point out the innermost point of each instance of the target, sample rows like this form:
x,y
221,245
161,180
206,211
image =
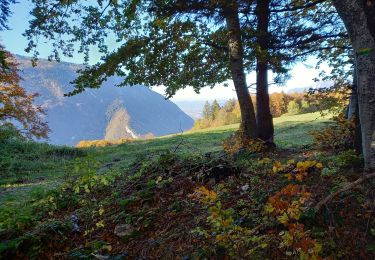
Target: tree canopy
x,y
16,105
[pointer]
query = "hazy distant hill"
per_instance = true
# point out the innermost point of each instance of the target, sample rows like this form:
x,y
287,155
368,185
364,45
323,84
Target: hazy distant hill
x,y
109,112
321,84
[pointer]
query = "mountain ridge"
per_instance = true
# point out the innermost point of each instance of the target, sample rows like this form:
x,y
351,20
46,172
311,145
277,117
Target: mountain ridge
x,y
85,115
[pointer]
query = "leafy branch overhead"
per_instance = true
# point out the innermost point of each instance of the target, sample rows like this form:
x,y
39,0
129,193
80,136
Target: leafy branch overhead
x,y
176,44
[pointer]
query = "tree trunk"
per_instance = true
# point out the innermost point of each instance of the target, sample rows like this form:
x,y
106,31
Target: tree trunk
x,y
263,112
354,17
248,122
353,112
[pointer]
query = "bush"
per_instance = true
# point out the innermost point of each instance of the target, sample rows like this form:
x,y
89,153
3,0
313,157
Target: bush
x,y
101,143
9,132
338,137
238,142
349,159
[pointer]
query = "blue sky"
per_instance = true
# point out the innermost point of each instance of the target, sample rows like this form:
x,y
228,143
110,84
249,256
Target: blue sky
x,y
302,73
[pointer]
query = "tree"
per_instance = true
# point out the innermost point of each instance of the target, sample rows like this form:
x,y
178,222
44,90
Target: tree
x,y
230,105
16,105
172,43
359,19
285,32
215,108
278,103
187,43
263,115
207,111
4,15
294,108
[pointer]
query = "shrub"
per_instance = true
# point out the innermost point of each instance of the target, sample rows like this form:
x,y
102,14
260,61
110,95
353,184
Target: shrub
x,y
238,241
348,159
238,141
102,143
9,132
338,137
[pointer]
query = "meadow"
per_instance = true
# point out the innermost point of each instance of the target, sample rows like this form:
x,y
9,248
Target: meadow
x,y
32,167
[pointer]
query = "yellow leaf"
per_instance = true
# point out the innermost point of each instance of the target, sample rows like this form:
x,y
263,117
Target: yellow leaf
x,y
277,166
300,165
269,208
100,224
283,219
159,179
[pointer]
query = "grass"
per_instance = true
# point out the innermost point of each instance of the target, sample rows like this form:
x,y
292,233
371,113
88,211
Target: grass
x,y
28,166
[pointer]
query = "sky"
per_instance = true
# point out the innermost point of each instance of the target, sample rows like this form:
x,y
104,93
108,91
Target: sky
x,y
302,74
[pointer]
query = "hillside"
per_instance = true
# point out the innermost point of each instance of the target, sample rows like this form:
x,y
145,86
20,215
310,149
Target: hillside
x,y
183,197
109,112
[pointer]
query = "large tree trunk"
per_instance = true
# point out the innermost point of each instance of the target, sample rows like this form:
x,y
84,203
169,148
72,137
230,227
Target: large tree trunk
x,y
354,15
263,112
248,123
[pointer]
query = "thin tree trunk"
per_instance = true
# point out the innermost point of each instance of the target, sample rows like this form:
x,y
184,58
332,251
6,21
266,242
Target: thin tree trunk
x,y
248,123
353,112
354,16
263,112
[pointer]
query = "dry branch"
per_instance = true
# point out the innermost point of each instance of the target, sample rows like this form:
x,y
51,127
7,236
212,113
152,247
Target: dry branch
x,y
343,189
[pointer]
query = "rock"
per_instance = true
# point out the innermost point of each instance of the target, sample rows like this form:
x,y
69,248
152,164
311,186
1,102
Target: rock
x,y
245,188
100,257
75,221
123,230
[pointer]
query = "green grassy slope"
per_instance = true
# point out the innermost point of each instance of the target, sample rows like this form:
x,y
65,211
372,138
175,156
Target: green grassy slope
x,y
41,166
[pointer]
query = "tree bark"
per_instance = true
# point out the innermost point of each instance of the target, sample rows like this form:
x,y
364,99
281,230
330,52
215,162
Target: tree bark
x,y
263,112
248,122
369,8
354,15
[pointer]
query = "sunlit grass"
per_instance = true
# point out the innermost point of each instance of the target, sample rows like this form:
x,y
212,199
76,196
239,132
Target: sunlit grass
x,y
47,171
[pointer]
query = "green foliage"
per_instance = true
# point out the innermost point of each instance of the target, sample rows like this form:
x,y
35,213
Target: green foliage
x,y
349,159
294,108
207,111
88,176
9,132
215,108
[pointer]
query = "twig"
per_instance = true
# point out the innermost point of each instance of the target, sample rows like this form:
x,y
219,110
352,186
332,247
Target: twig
x,y
344,189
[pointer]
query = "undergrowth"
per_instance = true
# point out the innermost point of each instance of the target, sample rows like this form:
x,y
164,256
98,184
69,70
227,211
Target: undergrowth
x,y
224,207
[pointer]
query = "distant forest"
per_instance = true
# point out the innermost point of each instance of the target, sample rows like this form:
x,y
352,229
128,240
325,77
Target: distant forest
x,y
280,103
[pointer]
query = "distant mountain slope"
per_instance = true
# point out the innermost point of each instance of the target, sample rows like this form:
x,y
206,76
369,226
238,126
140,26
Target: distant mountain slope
x,y
109,112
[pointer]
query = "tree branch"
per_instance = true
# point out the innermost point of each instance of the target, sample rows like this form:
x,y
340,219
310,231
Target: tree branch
x,y
296,8
343,189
